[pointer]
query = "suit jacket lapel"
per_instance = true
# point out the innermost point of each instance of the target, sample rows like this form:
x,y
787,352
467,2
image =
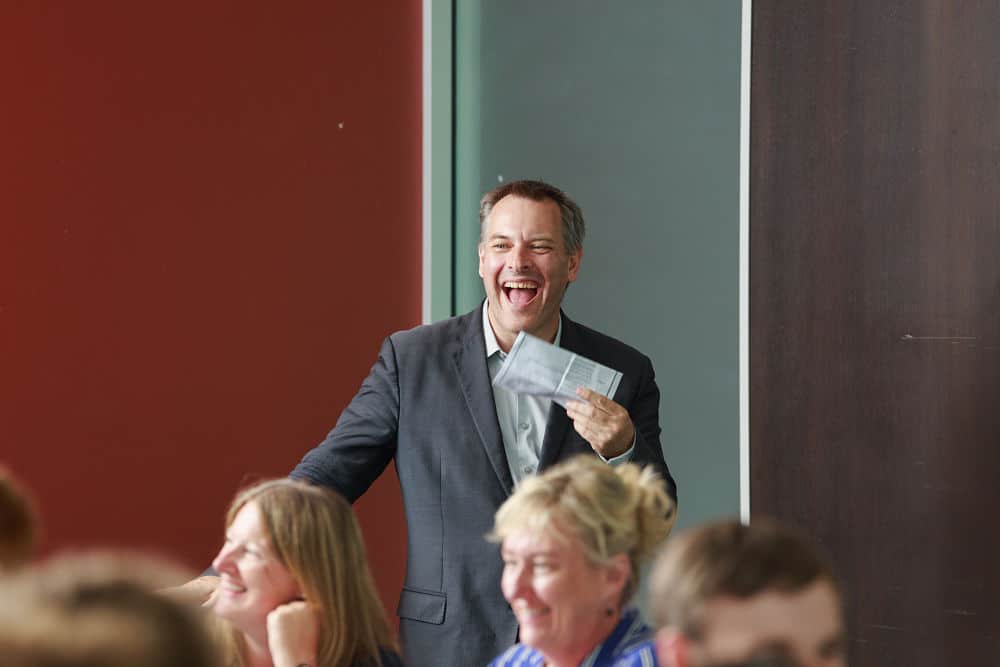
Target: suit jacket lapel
x,y
559,429
474,377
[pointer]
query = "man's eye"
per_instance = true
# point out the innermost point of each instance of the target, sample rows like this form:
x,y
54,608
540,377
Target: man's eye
x,y
501,246
541,248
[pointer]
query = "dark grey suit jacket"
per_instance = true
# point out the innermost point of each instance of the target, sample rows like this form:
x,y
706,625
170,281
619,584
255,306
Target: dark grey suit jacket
x,y
428,404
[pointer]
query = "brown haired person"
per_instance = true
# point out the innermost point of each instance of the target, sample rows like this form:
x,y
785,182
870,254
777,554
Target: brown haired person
x,y
728,593
295,589
98,610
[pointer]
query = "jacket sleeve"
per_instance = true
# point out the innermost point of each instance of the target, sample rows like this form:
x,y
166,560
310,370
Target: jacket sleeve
x,y
363,442
645,413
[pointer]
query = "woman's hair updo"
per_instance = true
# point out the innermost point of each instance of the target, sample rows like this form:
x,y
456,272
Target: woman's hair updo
x,y
608,509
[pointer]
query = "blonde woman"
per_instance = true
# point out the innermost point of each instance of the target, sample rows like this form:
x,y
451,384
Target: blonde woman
x,y
572,541
294,586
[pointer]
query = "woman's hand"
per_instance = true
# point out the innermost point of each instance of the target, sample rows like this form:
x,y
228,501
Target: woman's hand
x,y
292,634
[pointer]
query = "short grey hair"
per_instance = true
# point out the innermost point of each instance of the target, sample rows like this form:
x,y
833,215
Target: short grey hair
x,y
569,211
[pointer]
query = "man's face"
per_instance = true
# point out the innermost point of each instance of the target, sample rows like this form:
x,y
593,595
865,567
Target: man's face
x,y
804,627
525,268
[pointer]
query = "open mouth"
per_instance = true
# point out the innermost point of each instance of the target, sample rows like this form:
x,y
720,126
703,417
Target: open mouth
x,y
525,614
520,292
231,587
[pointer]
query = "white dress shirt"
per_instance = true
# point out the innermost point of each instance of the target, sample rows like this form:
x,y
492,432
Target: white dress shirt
x,y
522,417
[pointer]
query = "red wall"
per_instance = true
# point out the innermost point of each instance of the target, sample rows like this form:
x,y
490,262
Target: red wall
x,y
209,219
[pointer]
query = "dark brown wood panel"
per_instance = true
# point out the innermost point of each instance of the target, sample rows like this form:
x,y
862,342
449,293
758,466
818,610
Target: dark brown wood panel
x,y
875,311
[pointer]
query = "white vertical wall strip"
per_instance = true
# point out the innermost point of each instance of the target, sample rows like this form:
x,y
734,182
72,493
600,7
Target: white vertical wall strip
x,y
745,262
427,198
436,163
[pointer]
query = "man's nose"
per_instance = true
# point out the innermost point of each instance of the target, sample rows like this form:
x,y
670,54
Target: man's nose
x,y
518,258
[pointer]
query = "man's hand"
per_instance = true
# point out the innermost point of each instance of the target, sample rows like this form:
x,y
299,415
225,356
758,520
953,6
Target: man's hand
x,y
197,591
601,422
293,634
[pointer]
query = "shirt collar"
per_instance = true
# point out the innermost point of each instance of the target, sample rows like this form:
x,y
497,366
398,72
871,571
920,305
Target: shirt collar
x,y
492,346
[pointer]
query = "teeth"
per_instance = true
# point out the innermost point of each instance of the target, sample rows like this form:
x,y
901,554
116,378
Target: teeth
x,y
230,586
513,284
525,611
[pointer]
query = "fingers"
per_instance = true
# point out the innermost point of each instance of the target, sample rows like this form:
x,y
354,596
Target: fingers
x,y
606,425
594,406
599,401
292,633
200,590
590,433
298,606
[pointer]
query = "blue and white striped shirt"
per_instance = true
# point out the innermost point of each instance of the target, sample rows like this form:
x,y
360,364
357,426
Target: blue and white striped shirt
x,y
628,645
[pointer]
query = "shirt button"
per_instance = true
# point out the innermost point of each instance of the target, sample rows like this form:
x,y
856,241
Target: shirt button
x,y
527,470
524,426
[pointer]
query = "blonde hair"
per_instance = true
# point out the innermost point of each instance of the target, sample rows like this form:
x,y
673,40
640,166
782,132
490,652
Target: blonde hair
x,y
730,559
313,533
609,510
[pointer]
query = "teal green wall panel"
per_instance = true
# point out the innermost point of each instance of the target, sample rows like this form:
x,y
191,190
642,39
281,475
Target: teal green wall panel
x,y
634,109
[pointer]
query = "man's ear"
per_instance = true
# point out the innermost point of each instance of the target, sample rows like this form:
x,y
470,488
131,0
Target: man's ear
x,y
481,252
671,648
574,263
